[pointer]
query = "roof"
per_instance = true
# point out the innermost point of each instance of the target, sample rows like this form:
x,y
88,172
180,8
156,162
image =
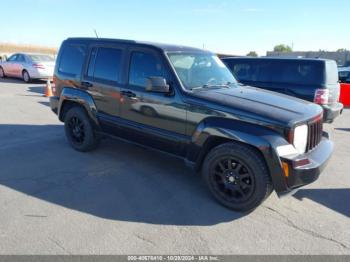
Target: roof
x,y
26,53
164,47
279,58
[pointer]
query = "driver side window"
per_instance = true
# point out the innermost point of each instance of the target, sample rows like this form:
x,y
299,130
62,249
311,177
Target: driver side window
x,y
142,66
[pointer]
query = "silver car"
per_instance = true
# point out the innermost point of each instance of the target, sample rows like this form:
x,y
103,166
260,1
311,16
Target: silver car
x,y
28,66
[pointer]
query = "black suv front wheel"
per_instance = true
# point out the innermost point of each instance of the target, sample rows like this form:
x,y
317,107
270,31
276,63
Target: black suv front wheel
x,y
79,130
237,176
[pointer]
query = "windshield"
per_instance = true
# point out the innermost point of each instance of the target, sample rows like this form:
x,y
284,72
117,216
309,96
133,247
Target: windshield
x,y
197,70
41,58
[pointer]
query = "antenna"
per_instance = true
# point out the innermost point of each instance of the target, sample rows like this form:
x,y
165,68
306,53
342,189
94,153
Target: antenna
x,y
96,33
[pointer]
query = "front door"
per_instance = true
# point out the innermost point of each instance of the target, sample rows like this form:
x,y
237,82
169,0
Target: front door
x,y
159,117
8,66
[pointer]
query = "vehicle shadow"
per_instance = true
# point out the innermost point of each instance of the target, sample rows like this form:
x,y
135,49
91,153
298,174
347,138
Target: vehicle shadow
x,y
20,81
118,181
44,103
335,199
37,89
343,129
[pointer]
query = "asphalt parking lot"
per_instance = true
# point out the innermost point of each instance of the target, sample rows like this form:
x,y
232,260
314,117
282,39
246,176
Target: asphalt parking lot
x,y
124,199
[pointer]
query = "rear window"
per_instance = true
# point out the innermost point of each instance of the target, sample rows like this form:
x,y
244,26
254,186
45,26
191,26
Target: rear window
x,y
280,71
41,58
72,59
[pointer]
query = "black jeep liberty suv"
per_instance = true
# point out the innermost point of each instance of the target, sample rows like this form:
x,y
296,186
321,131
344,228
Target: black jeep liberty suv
x,y
245,141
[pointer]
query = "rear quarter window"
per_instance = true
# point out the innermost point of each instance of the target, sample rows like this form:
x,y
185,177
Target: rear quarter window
x,y
299,72
251,70
72,59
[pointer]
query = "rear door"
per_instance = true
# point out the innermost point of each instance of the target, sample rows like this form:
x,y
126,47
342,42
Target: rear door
x,y
18,65
102,79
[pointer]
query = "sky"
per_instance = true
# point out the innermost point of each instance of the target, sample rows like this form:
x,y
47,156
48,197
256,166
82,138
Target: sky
x,y
225,26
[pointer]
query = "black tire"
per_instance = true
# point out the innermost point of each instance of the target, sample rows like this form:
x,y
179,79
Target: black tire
x,y
237,176
2,73
26,77
79,130
148,111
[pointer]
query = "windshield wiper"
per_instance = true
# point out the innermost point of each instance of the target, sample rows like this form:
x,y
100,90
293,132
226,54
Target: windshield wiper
x,y
212,86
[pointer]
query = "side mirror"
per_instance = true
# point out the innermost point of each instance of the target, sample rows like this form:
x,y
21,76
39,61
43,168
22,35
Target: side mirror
x,y
157,84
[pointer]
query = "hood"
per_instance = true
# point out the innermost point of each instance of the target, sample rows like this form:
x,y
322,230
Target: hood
x,y
262,105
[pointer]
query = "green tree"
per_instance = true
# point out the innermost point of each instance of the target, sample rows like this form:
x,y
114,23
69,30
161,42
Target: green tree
x,y
282,48
342,50
253,54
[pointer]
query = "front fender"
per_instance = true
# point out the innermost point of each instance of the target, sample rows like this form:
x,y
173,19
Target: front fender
x,y
80,97
262,138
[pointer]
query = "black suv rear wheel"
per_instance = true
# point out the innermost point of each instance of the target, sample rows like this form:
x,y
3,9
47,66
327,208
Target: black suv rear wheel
x,y
237,176
79,130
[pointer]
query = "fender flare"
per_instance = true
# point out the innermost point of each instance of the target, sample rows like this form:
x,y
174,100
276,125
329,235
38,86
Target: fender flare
x,y
80,97
262,138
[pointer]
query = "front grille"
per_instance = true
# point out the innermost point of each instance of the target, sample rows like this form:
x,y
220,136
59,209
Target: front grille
x,y
314,135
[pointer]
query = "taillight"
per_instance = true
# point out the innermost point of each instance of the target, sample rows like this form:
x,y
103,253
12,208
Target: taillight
x,y
38,66
321,96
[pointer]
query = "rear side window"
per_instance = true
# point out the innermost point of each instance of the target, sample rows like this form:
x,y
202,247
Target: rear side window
x,y
279,71
142,66
41,58
252,70
298,72
72,59
107,64
20,58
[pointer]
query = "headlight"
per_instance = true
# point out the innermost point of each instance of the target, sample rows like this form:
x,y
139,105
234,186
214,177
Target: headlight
x,y
300,138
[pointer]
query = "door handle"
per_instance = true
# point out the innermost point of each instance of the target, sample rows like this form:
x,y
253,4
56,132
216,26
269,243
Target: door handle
x,y
128,94
87,84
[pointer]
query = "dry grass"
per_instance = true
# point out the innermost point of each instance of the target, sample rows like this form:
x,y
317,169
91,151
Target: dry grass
x,y
13,48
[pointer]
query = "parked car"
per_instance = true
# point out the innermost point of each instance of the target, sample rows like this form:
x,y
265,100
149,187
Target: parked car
x,y
344,78
344,74
28,66
246,142
314,80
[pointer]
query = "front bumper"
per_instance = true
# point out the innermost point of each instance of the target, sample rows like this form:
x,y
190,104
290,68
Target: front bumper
x,y
54,100
331,112
305,169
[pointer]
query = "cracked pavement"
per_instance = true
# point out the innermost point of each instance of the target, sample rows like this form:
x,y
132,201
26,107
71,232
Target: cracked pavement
x,y
124,199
